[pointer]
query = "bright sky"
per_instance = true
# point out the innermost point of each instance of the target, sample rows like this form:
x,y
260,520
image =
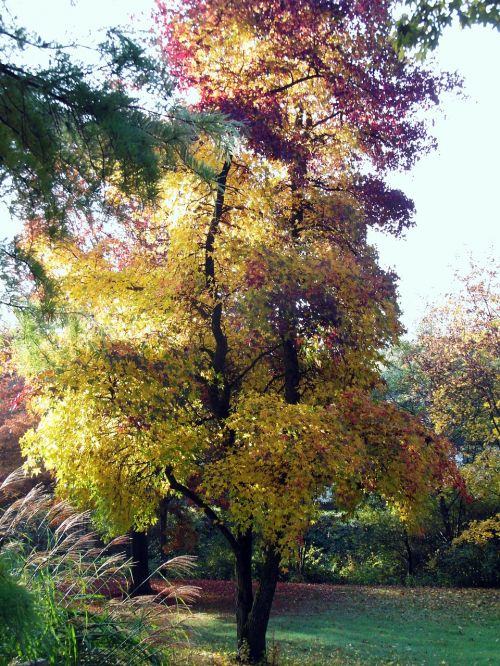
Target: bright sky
x,y
456,189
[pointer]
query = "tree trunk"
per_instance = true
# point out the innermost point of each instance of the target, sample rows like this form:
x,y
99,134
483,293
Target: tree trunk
x,y
140,583
445,516
261,608
409,556
253,611
163,520
244,593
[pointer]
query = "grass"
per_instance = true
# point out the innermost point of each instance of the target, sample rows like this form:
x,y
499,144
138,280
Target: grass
x,y
47,548
55,579
351,625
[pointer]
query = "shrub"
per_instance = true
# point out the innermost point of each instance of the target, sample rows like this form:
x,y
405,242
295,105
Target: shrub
x,y
18,618
467,565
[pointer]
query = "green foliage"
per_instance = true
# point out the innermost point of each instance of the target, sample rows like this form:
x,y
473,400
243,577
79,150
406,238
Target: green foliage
x,y
68,130
423,26
368,548
214,557
375,547
466,565
18,619
404,382
372,547
449,376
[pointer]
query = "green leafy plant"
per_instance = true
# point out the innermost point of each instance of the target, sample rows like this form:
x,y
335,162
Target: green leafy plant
x,y
18,618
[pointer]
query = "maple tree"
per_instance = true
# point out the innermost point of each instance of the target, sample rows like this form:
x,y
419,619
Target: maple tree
x,y
224,345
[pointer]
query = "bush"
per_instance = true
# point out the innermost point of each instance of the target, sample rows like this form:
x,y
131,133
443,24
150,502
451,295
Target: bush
x,y
467,565
18,618
374,548
369,548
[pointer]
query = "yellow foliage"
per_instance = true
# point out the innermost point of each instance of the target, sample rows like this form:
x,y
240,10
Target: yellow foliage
x,y
170,364
480,532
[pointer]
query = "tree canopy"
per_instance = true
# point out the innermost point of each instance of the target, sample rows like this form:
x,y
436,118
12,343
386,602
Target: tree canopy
x,y
423,25
225,344
450,373
450,376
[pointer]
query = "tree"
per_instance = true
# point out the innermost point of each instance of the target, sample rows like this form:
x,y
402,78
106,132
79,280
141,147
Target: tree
x,y
14,420
69,130
225,346
404,382
450,376
423,26
457,351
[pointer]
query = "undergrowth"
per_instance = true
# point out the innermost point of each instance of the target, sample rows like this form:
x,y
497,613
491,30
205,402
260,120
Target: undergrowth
x,y
54,576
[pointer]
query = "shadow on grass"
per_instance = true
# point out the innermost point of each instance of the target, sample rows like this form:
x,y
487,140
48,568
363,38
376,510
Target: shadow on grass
x,y
377,626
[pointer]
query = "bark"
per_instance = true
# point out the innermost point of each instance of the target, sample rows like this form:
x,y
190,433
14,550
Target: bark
x,y
244,592
261,608
163,520
253,610
140,583
445,516
292,370
409,556
219,391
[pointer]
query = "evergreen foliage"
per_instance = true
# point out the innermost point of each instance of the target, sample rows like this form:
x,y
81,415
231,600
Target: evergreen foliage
x,y
68,130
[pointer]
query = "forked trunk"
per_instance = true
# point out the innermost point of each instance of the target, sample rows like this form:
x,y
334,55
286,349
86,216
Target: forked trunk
x,y
140,583
253,610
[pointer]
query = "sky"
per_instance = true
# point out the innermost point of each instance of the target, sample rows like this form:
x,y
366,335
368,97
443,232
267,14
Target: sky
x,y
456,189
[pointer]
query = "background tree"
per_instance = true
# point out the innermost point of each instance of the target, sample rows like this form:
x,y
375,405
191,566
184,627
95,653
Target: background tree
x,y
226,346
450,376
14,419
423,26
458,351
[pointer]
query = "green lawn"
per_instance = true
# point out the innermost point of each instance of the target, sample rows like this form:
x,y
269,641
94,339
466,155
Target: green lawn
x,y
369,626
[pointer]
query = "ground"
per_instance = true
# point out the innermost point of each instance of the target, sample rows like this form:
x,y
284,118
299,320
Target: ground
x,y
317,625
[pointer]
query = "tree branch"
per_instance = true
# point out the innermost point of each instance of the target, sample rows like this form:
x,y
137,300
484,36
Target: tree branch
x,y
292,83
209,512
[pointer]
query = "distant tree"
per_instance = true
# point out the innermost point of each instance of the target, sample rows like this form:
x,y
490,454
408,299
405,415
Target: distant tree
x,y
458,353
15,421
450,376
404,382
